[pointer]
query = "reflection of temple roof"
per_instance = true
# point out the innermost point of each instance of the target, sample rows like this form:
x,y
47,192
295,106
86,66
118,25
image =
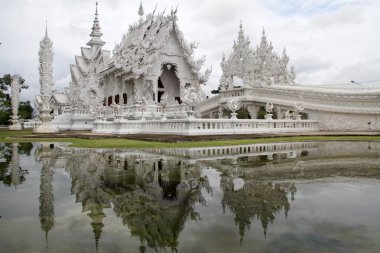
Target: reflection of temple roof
x,y
257,200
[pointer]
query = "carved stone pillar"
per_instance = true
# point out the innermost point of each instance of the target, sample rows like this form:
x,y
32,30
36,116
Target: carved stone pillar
x,y
280,113
253,111
15,98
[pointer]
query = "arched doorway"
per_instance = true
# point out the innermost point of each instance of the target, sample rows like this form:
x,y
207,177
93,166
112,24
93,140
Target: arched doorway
x,y
168,82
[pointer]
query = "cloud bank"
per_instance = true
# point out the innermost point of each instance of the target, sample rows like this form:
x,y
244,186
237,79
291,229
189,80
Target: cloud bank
x,y
329,42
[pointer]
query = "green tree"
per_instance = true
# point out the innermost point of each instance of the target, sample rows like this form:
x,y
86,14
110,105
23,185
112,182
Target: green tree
x,y
5,99
25,110
243,113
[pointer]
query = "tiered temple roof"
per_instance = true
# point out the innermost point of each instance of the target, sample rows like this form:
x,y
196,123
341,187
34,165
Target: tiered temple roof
x,y
139,48
84,89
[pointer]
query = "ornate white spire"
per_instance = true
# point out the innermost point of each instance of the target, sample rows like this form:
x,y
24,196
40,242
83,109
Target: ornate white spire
x,y
46,33
257,68
141,10
264,42
96,34
241,32
46,67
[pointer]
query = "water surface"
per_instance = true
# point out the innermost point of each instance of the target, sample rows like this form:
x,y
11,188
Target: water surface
x,y
285,197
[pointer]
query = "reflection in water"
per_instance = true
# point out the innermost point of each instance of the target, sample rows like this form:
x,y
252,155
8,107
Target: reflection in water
x,y
46,156
156,193
87,174
257,200
261,200
9,159
154,197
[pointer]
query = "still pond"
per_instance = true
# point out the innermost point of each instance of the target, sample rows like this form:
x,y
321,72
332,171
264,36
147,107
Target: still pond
x,y
279,197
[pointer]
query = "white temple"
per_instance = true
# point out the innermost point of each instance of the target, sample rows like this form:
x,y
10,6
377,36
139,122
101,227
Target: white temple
x,y
151,83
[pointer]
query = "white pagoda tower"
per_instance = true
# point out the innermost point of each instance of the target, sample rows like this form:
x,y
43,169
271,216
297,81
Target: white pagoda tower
x,y
46,81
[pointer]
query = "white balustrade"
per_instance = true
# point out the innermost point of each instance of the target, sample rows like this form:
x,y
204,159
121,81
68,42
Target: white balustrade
x,y
203,126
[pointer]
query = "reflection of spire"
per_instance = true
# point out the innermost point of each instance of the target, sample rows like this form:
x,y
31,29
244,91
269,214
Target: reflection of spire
x,y
87,173
97,225
46,198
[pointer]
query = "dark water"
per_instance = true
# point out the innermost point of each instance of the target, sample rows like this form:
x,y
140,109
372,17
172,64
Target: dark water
x,y
286,197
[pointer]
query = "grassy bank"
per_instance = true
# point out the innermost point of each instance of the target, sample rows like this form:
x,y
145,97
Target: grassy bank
x,y
13,136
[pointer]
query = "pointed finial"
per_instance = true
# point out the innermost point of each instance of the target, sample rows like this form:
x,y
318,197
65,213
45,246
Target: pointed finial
x,y
96,8
263,31
141,10
241,25
46,33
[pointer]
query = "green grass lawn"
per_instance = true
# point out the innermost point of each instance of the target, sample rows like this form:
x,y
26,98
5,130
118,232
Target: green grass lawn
x,y
16,136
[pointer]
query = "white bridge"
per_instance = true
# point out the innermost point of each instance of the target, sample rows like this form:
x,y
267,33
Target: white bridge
x,y
336,108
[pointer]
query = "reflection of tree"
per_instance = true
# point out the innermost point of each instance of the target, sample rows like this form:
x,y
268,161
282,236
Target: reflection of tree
x,y
11,159
257,200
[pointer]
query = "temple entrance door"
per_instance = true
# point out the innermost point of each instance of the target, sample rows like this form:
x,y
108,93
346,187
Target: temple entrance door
x,y
168,82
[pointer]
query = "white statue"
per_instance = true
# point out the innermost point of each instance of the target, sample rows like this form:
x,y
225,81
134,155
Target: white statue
x,y
269,110
298,108
148,91
234,105
136,96
269,107
191,98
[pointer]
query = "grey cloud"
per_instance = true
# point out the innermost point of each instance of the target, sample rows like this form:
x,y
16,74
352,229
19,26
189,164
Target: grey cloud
x,y
309,64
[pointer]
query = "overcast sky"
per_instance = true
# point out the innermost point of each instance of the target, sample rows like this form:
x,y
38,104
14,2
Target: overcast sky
x,y
328,41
